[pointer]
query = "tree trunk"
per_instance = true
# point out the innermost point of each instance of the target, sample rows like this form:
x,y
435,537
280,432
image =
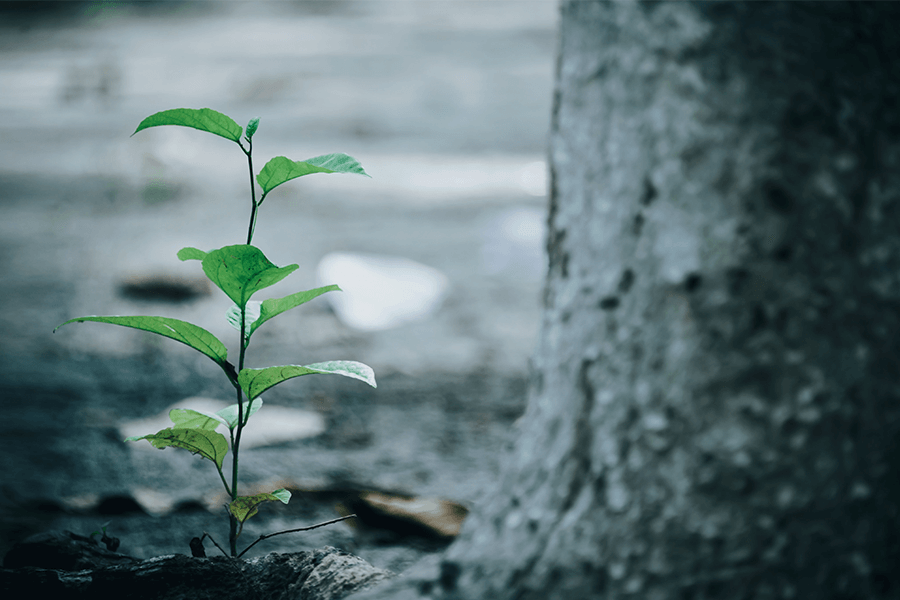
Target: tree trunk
x,y
715,405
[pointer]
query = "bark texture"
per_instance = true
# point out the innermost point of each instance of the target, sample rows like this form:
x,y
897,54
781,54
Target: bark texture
x,y
66,566
715,404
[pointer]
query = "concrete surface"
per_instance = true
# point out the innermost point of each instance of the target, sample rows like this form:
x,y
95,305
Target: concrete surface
x,y
447,106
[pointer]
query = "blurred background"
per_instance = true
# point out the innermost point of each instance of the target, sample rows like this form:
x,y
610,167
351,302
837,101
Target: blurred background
x,y
440,254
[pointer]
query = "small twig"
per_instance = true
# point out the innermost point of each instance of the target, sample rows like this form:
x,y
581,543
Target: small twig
x,y
206,535
268,535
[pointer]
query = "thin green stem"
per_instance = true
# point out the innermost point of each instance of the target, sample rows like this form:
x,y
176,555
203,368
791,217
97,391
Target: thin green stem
x,y
234,531
247,414
236,439
235,445
254,207
224,482
241,423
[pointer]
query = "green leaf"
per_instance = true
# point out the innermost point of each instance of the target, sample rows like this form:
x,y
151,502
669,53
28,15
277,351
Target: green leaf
x,y
256,381
230,413
204,119
258,313
204,442
242,270
281,169
275,306
191,254
244,507
251,313
181,331
185,418
251,127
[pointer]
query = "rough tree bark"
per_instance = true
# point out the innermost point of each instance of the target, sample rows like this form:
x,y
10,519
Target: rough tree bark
x,y
715,408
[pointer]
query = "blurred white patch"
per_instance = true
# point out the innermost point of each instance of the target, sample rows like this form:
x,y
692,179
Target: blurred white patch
x,y
514,242
278,424
533,178
271,425
442,178
381,292
153,501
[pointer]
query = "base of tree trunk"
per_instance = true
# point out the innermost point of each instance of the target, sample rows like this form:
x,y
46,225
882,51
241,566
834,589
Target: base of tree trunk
x,y
66,566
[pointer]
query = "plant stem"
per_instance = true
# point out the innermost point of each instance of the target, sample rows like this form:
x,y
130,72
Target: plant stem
x,y
236,440
254,206
222,477
234,531
235,445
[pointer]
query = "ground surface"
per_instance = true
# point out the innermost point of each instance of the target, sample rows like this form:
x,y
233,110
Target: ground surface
x,y
446,105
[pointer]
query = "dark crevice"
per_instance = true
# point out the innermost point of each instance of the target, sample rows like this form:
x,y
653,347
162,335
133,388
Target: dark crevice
x,y
626,281
777,198
692,282
609,303
583,437
759,320
450,572
783,253
638,224
737,280
648,193
558,258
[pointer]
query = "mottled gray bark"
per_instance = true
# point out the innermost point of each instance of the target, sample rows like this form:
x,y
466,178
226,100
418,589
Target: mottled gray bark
x,y
715,409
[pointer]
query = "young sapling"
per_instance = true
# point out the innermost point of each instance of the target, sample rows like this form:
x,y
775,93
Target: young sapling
x,y
239,271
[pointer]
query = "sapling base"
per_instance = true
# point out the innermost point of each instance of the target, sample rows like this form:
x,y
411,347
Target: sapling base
x,y
239,271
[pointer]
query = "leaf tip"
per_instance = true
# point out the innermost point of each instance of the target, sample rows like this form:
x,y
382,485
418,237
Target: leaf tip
x,y
283,495
189,253
252,127
61,324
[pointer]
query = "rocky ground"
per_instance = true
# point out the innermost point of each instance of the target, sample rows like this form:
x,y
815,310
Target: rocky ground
x,y
445,104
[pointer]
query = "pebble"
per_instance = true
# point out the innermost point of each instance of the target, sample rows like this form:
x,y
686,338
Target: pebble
x,y
381,292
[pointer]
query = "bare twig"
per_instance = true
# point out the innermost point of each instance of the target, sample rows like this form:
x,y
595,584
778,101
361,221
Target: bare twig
x,y
263,537
206,535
